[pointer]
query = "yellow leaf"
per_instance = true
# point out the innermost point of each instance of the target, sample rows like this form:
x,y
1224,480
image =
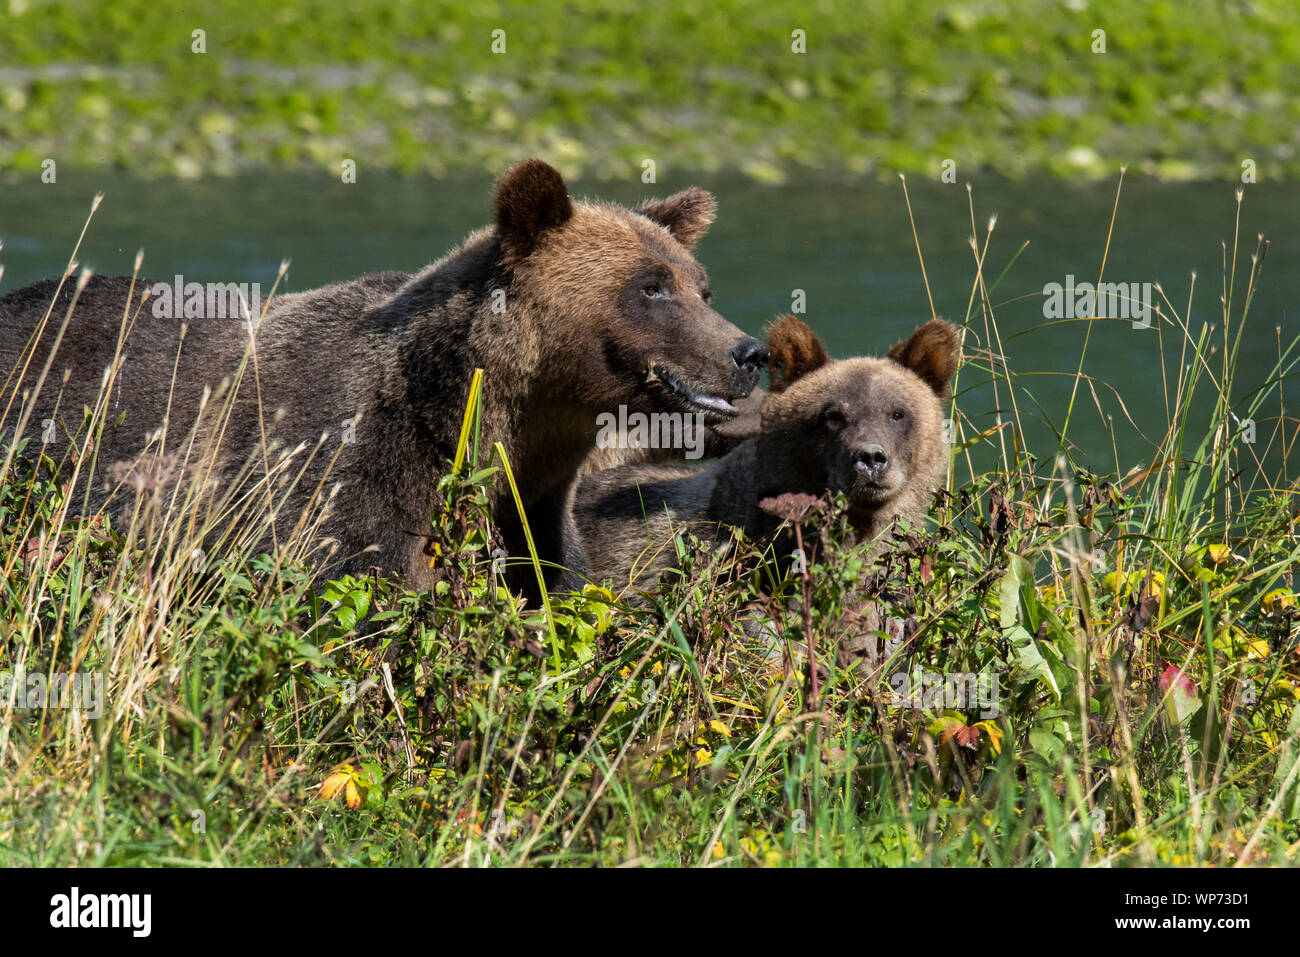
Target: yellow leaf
x,y
351,794
737,704
1155,584
329,789
717,727
994,733
1276,600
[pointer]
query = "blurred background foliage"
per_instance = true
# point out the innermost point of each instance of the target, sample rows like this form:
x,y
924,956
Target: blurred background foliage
x,y
1185,90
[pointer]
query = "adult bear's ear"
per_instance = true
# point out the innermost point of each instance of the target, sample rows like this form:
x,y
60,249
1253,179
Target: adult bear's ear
x,y
932,353
530,199
687,215
794,351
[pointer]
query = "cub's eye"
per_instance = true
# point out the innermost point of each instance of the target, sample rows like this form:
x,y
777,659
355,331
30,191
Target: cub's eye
x,y
652,290
897,415
832,417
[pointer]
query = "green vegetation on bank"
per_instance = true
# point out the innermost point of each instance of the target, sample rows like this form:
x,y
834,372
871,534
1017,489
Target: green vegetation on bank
x,y
1184,89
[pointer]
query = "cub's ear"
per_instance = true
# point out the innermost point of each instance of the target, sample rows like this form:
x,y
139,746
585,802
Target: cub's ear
x,y
530,199
932,353
794,351
687,215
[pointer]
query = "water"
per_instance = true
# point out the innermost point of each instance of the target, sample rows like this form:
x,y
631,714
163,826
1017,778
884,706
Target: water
x,y
849,247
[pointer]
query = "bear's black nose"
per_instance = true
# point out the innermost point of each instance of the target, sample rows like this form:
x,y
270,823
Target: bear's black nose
x,y
871,460
749,352
749,355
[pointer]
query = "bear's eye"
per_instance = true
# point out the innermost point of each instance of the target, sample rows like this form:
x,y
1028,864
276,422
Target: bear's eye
x,y
652,290
897,415
832,417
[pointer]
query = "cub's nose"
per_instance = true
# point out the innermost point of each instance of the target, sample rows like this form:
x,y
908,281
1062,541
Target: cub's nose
x,y
871,461
749,356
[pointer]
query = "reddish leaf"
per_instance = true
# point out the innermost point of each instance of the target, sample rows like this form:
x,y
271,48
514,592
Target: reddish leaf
x,y
965,736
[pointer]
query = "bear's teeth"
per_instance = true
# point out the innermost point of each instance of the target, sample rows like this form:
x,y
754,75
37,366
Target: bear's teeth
x,y
711,402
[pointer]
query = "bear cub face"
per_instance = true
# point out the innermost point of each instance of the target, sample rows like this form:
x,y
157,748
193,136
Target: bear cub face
x,y
871,428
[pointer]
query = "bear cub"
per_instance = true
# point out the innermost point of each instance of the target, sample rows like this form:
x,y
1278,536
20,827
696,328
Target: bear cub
x,y
868,427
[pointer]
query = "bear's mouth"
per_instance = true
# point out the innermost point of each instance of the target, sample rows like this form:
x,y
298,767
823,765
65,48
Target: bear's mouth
x,y
869,489
701,401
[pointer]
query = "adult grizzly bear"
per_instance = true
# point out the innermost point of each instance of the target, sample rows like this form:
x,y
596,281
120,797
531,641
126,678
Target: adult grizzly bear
x,y
871,428
570,308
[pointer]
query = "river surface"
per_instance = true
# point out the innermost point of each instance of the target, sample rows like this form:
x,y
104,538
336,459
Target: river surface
x,y
847,246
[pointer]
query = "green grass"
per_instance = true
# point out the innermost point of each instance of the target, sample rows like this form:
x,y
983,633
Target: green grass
x,y
1141,629
1183,90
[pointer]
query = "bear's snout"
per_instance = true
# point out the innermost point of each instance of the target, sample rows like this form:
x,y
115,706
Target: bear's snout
x,y
749,356
871,474
871,462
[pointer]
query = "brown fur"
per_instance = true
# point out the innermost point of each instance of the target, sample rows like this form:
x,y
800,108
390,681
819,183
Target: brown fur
x,y
795,351
579,335
718,440
825,428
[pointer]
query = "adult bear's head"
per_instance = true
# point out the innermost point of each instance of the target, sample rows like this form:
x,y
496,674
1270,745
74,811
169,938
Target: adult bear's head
x,y
623,305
